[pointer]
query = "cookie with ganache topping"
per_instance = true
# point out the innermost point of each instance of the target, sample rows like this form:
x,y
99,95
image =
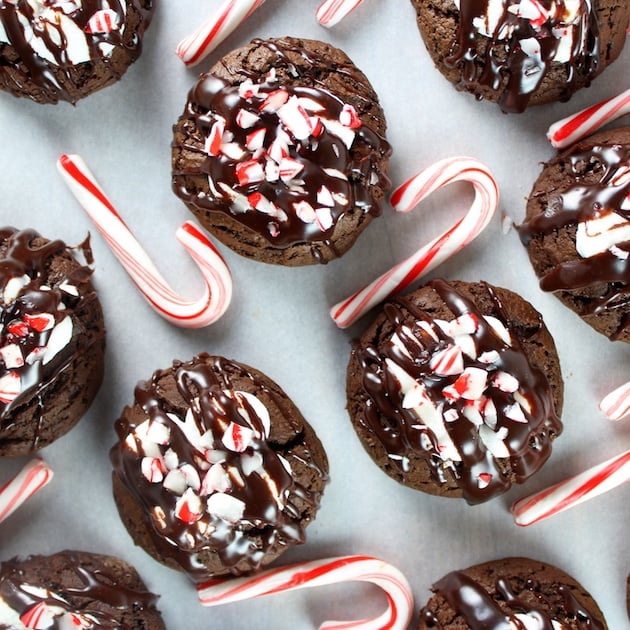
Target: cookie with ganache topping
x,y
510,593
52,339
455,390
75,589
216,471
523,52
281,152
64,50
577,230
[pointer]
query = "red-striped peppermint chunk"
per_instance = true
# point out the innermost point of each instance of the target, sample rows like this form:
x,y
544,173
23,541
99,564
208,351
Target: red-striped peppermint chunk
x,y
189,507
470,385
10,387
447,362
103,21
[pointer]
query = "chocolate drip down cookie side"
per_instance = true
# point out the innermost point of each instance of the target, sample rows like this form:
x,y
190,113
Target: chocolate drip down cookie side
x,y
216,472
456,390
281,152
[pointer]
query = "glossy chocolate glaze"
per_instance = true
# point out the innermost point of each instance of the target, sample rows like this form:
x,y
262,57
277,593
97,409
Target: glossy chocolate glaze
x,y
481,610
21,257
579,202
505,57
37,68
271,516
360,164
100,597
402,433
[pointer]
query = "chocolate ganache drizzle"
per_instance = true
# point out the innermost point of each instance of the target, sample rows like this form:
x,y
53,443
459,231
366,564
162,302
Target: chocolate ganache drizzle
x,y
65,33
209,477
286,161
98,604
481,610
37,336
597,206
461,395
524,39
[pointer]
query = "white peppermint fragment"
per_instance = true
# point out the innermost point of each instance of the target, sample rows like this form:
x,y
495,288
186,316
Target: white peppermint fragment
x,y
191,475
336,173
595,236
10,387
13,287
489,357
523,401
175,482
323,218
70,289
226,507
215,480
11,355
237,437
246,119
494,441
515,412
152,469
345,134
499,329
59,338
171,459
504,381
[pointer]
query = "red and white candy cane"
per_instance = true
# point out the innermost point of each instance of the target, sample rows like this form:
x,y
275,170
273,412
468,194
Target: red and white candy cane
x,y
616,404
331,12
212,32
321,573
571,129
30,480
404,199
217,291
573,491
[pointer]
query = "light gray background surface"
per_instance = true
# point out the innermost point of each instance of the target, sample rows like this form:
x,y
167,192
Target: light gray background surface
x,y
279,323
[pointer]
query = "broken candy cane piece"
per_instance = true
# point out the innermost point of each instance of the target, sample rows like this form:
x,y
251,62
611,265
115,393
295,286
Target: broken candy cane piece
x,y
320,573
217,292
404,199
573,491
331,12
30,480
573,128
616,404
210,34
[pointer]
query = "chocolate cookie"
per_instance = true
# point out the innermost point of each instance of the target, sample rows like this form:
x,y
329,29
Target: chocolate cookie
x,y
75,589
523,52
52,340
510,593
456,390
52,50
216,470
280,151
577,231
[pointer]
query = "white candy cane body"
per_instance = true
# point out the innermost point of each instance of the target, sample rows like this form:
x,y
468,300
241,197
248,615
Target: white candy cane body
x,y
331,12
404,199
217,291
616,404
320,573
573,491
571,129
30,480
196,46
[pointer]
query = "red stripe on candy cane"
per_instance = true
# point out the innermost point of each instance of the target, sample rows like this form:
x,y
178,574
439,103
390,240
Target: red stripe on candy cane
x,y
404,199
217,290
30,480
320,573
616,404
331,12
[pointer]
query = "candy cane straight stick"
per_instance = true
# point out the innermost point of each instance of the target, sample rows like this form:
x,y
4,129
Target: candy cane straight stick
x,y
217,292
30,480
331,12
320,573
210,34
404,199
616,404
571,129
573,491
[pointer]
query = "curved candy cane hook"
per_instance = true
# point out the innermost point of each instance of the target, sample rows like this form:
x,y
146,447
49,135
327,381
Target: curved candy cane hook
x,y
30,480
404,199
217,292
320,573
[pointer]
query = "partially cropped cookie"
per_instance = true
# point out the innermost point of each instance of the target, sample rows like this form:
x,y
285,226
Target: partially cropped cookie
x,y
280,151
216,471
456,390
75,589
524,52
64,50
577,231
52,340
510,593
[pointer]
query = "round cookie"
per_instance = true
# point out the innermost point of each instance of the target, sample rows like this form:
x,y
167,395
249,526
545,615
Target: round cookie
x,y
75,589
63,50
456,390
510,593
524,52
216,471
280,151
52,340
577,231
